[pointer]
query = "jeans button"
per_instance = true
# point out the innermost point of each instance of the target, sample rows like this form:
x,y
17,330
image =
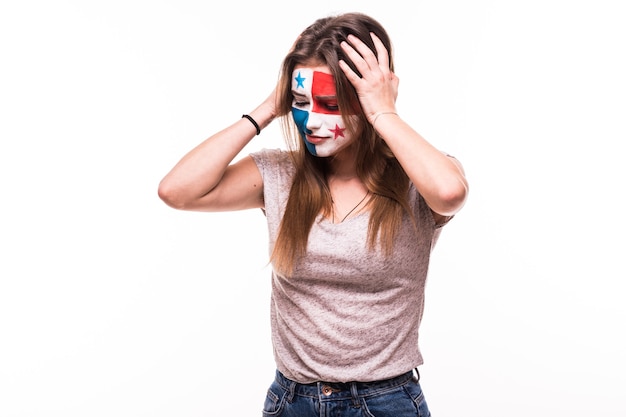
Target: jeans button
x,y
326,390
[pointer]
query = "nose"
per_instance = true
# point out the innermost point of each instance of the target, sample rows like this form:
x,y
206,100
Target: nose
x,y
314,121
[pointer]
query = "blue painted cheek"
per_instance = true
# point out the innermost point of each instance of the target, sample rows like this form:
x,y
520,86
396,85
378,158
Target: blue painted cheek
x,y
301,117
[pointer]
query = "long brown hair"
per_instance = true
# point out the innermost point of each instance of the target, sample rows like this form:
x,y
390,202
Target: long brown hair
x,y
319,44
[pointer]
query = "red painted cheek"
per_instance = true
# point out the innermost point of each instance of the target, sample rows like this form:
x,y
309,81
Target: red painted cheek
x,y
338,131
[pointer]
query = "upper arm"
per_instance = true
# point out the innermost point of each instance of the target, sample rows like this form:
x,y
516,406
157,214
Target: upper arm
x,y
440,218
241,187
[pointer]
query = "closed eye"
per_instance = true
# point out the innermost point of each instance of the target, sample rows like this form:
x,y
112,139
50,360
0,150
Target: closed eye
x,y
300,100
328,102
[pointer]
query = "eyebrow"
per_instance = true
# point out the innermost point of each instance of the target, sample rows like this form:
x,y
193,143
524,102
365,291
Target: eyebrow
x,y
318,97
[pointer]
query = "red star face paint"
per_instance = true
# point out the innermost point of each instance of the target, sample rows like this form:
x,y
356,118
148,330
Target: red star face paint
x,y
316,112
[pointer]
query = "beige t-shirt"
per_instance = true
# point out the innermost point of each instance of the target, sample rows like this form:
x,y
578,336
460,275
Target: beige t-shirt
x,y
348,313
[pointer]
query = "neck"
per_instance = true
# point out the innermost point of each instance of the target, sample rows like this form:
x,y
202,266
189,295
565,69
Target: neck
x,y
343,167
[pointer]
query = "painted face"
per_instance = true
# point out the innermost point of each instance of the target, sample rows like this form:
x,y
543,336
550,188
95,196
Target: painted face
x,y
316,112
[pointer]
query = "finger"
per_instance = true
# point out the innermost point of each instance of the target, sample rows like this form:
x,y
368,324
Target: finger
x,y
355,57
381,51
364,51
352,76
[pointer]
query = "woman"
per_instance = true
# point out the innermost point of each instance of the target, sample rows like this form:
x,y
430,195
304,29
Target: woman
x,y
354,208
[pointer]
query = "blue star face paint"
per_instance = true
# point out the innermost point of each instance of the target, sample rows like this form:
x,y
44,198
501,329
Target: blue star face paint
x,y
316,112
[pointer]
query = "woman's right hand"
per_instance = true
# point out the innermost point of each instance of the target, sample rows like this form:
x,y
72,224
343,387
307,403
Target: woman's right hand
x,y
272,104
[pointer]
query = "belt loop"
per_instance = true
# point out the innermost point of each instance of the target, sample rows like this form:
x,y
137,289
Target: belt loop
x,y
418,375
292,391
355,395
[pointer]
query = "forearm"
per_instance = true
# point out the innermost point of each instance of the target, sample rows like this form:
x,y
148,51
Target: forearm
x,y
439,178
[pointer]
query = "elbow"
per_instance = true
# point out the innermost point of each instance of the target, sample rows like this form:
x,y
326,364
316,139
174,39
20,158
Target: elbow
x,y
171,195
452,198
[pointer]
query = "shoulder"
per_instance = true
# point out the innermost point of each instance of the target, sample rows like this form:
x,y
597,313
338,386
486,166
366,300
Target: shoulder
x,y
274,164
271,157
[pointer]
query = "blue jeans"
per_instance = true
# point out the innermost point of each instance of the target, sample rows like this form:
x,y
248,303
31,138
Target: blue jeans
x,y
396,397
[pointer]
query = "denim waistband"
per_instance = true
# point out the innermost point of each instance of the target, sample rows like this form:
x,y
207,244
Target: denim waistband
x,y
344,390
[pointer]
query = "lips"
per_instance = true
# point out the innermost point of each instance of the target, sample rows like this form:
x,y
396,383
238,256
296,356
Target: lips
x,y
315,139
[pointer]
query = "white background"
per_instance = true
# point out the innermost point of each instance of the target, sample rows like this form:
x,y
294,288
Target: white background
x,y
113,304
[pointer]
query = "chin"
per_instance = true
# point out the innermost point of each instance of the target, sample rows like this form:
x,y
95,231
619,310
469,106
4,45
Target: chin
x,y
324,154
326,151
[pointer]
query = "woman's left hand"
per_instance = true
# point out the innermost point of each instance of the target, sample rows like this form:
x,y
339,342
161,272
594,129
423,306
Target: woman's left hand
x,y
377,88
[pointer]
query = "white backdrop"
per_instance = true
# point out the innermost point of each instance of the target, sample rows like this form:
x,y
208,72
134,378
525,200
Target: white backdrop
x,y
113,304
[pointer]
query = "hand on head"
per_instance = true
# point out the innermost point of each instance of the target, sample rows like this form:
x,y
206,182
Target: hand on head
x,y
377,87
